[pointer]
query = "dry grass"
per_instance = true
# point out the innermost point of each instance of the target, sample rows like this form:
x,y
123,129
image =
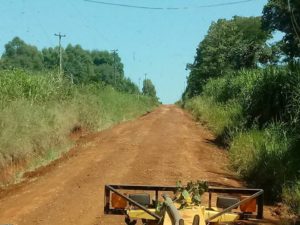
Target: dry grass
x,y
38,112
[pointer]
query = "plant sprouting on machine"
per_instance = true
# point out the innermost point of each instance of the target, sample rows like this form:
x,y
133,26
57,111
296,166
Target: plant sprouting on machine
x,y
191,193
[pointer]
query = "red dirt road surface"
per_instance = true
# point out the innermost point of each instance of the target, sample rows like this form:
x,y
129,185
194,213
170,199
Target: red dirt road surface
x,y
157,149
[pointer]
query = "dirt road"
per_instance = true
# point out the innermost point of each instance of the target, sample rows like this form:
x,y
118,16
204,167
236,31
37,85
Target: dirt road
x,y
159,148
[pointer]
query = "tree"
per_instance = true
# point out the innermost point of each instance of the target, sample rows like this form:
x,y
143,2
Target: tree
x,y
149,89
50,57
284,16
21,55
229,45
78,64
108,67
128,86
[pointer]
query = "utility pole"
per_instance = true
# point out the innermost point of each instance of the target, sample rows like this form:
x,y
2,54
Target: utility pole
x,y
140,83
114,51
144,83
140,89
59,35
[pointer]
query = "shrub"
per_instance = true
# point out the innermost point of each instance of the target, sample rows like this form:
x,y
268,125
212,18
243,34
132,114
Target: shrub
x,y
291,197
36,87
221,118
237,85
266,95
270,97
261,158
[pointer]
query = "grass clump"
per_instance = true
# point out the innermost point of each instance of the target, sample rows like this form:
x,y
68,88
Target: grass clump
x,y
39,110
291,197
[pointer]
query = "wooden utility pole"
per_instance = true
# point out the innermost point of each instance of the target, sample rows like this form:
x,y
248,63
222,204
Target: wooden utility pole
x,y
140,89
144,84
59,35
140,84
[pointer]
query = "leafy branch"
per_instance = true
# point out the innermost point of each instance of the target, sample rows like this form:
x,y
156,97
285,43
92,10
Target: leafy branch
x,y
190,194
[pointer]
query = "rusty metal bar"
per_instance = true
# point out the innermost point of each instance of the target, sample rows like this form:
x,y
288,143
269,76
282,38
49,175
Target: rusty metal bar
x,y
106,200
260,207
144,187
209,199
232,190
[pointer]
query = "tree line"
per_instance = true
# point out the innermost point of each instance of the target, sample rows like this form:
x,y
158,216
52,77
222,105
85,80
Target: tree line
x,y
244,43
80,66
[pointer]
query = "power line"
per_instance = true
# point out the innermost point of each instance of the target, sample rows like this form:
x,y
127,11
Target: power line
x,y
124,5
224,4
85,22
168,8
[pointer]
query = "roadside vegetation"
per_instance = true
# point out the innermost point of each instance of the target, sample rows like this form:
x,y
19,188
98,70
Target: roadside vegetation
x,y
248,92
40,109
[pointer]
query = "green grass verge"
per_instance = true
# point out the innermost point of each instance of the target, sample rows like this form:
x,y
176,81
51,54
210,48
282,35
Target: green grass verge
x,y
256,112
38,112
261,158
221,118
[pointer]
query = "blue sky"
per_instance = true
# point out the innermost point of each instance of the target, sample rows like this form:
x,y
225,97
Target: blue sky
x,y
158,43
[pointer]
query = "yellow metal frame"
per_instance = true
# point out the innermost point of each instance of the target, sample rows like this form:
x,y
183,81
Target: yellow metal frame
x,y
188,215
140,214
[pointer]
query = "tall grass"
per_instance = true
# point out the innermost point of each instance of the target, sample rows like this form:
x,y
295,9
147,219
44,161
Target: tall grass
x,y
238,85
36,87
261,158
291,196
261,109
221,118
38,112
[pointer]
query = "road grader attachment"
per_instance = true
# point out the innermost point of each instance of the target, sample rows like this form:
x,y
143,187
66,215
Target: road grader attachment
x,y
155,205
